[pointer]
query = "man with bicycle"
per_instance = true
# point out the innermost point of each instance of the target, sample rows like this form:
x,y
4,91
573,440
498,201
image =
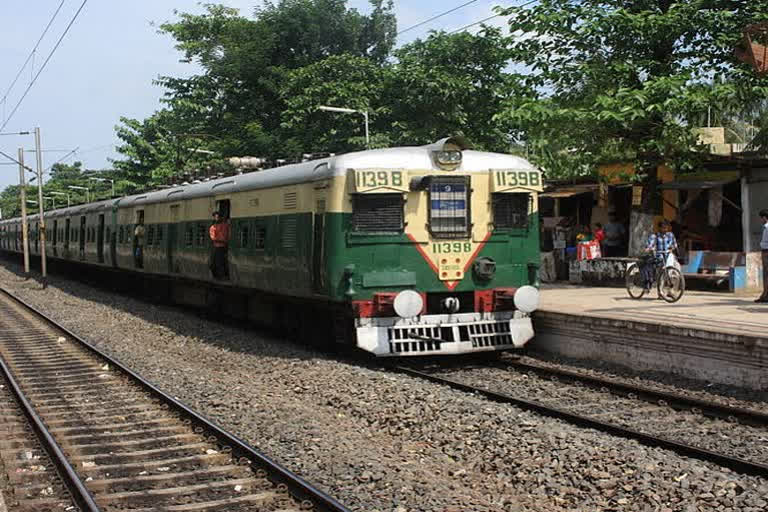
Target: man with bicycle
x,y
660,244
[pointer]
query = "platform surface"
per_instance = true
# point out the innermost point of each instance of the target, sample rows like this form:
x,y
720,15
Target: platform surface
x,y
709,311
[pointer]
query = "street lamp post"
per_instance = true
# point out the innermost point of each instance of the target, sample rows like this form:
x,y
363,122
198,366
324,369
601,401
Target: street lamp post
x,y
87,192
352,111
103,180
62,194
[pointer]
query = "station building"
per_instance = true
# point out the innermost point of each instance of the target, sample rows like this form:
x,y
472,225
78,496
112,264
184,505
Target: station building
x,y
714,211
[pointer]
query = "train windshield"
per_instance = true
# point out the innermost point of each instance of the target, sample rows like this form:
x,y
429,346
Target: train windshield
x,y
449,206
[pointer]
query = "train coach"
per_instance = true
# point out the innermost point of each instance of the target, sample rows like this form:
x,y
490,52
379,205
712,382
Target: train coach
x,y
400,251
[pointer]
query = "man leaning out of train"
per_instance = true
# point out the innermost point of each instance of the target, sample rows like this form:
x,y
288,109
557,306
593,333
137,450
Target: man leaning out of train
x,y
219,233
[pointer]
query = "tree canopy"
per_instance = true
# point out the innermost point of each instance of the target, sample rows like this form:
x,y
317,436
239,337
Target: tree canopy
x,y
630,75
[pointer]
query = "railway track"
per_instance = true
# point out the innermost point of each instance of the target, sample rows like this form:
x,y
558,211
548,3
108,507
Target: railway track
x,y
730,437
117,442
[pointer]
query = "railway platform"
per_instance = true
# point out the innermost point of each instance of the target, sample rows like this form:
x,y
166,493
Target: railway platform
x,y
706,336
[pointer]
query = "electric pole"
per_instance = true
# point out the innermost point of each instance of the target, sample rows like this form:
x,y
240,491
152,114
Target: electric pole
x,y
43,254
24,228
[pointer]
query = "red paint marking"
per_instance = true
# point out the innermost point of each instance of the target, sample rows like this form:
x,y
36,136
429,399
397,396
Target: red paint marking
x,y
451,285
424,254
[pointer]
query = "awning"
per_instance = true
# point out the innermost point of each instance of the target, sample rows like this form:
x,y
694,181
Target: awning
x,y
694,185
569,192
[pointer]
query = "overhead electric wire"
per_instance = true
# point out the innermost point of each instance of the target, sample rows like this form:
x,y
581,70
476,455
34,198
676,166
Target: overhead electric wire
x,y
32,53
433,18
489,18
62,159
32,83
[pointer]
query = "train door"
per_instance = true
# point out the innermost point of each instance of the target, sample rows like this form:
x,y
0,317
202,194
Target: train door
x,y
100,239
113,239
173,238
81,237
55,237
318,244
220,261
66,238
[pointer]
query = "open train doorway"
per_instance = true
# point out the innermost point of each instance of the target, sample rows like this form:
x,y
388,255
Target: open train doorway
x,y
221,237
81,238
100,239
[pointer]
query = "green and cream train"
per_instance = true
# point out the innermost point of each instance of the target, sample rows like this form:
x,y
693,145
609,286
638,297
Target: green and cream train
x,y
400,251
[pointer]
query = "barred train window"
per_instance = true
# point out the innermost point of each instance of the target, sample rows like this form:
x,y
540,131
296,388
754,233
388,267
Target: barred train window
x,y
200,235
377,213
244,232
189,236
289,232
259,238
510,211
449,206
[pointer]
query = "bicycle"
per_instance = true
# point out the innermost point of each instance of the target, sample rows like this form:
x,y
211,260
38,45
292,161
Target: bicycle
x,y
669,281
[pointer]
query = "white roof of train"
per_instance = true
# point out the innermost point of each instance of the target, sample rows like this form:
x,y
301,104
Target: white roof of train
x,y
401,158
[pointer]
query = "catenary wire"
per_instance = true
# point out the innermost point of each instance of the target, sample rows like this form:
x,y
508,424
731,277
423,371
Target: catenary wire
x,y
32,53
433,18
45,63
465,27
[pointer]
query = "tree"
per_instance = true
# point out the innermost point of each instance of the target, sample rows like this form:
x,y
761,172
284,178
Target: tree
x,y
451,84
344,81
628,74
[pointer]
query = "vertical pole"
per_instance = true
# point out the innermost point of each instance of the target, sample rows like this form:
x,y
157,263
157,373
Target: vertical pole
x,y
367,133
43,255
24,227
113,188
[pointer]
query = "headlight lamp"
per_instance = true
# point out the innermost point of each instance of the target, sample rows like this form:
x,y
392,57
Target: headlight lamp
x,y
449,157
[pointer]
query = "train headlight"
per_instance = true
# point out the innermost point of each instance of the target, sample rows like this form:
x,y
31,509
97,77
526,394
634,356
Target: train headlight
x,y
447,153
527,299
449,158
408,304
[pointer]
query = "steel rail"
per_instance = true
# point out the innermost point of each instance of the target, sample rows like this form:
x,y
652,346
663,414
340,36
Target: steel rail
x,y
674,400
296,485
80,494
734,463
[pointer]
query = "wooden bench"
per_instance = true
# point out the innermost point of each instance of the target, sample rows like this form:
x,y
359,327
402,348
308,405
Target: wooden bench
x,y
717,268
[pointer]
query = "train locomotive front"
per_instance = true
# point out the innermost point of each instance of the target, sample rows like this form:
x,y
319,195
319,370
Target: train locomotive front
x,y
441,249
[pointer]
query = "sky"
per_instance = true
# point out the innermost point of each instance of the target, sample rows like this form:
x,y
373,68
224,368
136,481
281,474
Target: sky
x,y
105,66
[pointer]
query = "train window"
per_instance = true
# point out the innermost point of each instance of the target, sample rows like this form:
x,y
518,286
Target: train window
x,y
377,213
244,234
151,235
449,206
200,234
510,211
289,232
189,236
159,236
260,238
120,235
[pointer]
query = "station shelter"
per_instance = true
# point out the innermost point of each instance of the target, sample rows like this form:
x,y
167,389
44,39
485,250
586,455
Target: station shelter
x,y
713,213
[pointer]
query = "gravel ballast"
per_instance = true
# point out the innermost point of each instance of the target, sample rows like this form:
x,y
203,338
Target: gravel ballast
x,y
379,441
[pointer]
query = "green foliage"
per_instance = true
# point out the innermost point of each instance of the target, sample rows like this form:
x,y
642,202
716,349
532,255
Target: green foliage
x,y
630,74
451,84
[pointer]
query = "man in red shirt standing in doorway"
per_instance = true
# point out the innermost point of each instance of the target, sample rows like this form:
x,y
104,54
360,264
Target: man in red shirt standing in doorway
x,y
219,233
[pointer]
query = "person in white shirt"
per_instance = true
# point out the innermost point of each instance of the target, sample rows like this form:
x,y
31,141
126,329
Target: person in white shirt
x,y
764,250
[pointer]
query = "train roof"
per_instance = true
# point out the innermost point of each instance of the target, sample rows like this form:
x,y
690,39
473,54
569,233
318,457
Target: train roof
x,y
401,158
